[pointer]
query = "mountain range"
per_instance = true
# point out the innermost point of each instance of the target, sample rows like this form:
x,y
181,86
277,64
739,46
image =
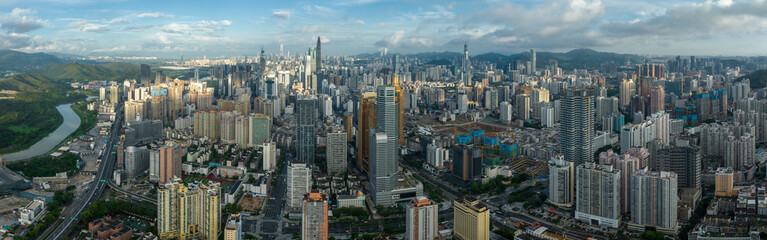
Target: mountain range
x,y
758,79
19,61
26,82
578,58
77,72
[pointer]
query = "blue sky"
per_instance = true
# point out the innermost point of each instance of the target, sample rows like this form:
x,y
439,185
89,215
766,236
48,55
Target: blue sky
x,y
216,28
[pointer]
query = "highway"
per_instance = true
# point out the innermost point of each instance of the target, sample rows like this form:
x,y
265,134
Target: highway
x,y
70,215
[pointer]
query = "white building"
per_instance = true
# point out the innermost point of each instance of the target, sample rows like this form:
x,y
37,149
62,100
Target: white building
x,y
28,214
269,153
299,183
561,182
654,200
335,151
506,112
598,194
436,156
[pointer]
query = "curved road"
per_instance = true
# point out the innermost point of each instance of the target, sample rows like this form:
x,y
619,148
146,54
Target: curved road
x,y
69,216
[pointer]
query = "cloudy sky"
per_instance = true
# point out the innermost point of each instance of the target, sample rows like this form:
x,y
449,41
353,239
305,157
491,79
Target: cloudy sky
x,y
234,27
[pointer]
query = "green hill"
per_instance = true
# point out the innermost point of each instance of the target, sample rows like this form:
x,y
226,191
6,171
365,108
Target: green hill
x,y
579,58
76,72
19,61
758,78
25,82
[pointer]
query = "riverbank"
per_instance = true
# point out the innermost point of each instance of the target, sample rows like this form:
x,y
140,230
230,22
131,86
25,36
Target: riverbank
x,y
70,123
31,117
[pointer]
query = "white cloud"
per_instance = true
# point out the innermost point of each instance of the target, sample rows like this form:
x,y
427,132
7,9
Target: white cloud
x,y
20,20
359,22
86,26
391,40
281,13
358,2
154,15
313,28
164,39
199,27
14,40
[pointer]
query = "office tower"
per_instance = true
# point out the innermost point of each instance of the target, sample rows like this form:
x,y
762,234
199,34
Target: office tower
x,y
335,151
506,112
170,162
421,219
654,200
366,120
625,92
233,227
466,71
159,77
136,160
319,54
146,73
259,129
269,153
523,106
314,223
597,194
306,113
685,161
120,161
262,62
657,95
114,94
400,104
190,211
467,163
299,183
471,219
577,130
561,182
349,126
384,153
724,182
533,60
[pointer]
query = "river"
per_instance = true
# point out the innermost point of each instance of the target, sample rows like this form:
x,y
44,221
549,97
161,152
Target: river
x,y
70,124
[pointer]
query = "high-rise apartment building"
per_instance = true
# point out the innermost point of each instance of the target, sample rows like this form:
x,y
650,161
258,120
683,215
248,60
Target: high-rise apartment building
x,y
597,194
625,92
269,153
724,182
306,110
314,224
506,112
421,219
685,161
233,227
366,120
627,165
523,106
170,162
657,99
471,219
335,151
136,160
577,129
561,182
190,211
654,200
299,183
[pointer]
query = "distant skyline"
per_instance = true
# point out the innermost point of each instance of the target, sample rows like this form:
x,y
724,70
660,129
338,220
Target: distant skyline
x,y
169,29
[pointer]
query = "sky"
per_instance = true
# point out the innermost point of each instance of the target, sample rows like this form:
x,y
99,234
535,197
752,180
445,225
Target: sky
x,y
171,28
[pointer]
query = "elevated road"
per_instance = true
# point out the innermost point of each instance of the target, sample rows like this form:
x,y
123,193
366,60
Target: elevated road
x,y
69,217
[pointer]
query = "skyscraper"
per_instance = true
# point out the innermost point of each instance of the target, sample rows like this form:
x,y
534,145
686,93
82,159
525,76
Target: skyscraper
x,y
626,90
366,120
657,95
654,200
597,190
259,129
188,211
306,110
319,54
466,74
400,103
299,183
533,60
421,219
577,126
146,73
335,151
170,162
471,219
523,106
685,161
314,223
467,163
384,154
561,182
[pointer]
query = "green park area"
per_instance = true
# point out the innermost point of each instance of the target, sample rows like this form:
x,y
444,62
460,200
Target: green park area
x,y
45,166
